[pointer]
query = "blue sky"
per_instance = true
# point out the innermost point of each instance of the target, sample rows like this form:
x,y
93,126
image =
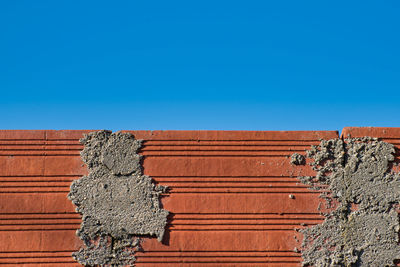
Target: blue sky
x,y
189,65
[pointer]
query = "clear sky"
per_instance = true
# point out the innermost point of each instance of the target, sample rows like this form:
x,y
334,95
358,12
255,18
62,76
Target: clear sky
x,y
216,65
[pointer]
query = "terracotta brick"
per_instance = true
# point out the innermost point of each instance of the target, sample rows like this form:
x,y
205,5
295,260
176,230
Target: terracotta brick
x,y
379,132
20,135
229,197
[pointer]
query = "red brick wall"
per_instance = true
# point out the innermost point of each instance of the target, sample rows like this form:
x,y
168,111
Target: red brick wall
x,y
229,195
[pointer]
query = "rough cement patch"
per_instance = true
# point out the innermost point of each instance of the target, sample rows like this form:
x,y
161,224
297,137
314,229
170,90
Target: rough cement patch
x,y
357,174
297,159
120,154
117,201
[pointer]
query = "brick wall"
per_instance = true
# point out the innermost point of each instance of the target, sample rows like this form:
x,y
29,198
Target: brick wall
x,y
229,195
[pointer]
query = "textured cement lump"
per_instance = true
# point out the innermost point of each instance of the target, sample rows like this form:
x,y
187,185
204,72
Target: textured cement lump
x,y
297,159
117,202
363,230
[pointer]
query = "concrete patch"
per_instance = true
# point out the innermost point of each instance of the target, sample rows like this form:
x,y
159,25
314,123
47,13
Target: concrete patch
x,y
363,230
297,159
118,203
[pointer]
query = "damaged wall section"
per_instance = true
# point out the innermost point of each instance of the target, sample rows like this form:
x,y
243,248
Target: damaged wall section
x,y
363,228
117,202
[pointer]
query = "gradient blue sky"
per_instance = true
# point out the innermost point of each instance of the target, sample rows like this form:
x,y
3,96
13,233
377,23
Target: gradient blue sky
x,y
216,65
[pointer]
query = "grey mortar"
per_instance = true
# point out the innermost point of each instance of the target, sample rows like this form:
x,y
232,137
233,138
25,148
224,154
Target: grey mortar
x,y
364,228
117,202
297,159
